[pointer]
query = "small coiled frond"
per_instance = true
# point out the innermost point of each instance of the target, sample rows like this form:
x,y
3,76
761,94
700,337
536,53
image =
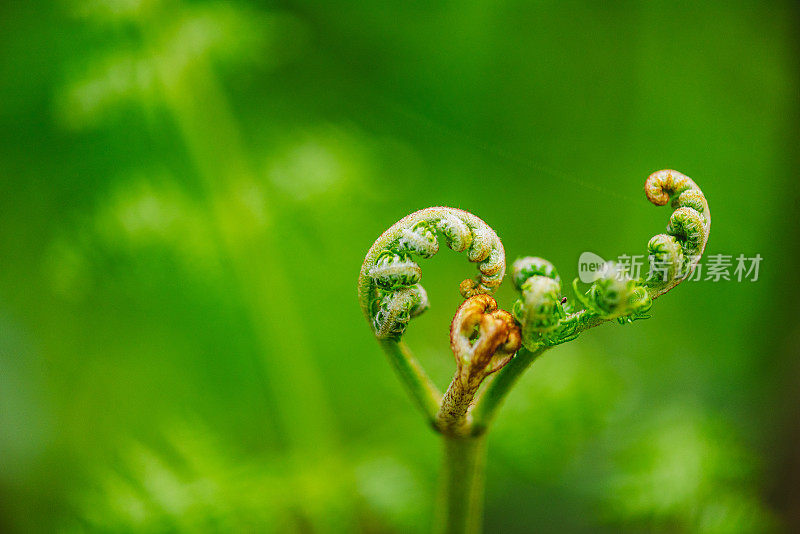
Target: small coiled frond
x,y
525,268
388,286
666,258
674,255
615,295
540,308
392,310
483,339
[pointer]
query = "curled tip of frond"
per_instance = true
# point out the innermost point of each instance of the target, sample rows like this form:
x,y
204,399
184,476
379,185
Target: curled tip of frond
x,y
390,268
675,255
540,308
392,310
666,257
483,338
616,295
524,268
663,185
395,270
469,288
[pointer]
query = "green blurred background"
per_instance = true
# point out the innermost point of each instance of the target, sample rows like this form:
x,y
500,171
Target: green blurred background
x,y
187,190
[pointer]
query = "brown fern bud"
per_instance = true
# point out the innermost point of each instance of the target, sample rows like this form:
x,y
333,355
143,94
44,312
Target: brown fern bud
x,y
483,338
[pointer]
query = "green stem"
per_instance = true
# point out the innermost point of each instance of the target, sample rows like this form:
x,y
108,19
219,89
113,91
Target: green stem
x,y
497,390
421,388
461,497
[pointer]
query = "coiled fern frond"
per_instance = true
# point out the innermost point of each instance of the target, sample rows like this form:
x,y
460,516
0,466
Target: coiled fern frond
x,y
490,342
388,286
676,253
484,338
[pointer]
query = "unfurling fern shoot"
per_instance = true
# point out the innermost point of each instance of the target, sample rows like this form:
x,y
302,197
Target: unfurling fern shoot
x,y
488,341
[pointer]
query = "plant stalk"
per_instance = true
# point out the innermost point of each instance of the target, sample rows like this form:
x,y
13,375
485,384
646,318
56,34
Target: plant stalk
x,y
461,490
421,388
452,416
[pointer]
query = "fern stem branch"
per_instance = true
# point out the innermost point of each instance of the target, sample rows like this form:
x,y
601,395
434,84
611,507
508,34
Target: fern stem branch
x,y
462,483
421,388
452,416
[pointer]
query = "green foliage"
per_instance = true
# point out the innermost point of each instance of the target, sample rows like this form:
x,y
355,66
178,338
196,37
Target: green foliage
x,y
185,188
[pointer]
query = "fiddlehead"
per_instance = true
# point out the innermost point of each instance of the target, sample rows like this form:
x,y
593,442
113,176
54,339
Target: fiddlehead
x,y
674,255
388,287
615,295
483,339
390,296
540,308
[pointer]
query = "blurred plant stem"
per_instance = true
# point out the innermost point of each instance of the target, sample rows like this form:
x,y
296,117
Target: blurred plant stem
x,y
462,482
244,230
213,140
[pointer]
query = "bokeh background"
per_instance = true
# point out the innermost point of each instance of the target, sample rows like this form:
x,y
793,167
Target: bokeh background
x,y
187,190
